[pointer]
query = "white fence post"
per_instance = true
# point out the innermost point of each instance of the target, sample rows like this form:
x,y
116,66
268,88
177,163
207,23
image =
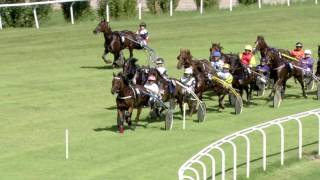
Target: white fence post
x,y
0,22
259,4
171,7
230,5
234,147
282,143
201,6
248,153
288,2
184,116
300,137
140,9
67,144
318,133
213,166
107,12
35,17
264,149
316,1
71,13
223,163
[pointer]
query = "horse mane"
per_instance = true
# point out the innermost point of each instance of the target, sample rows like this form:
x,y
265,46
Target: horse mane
x,y
216,45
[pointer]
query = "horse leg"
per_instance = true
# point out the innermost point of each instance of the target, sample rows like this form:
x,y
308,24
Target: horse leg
x,y
300,79
115,58
221,101
138,115
120,120
104,56
131,52
128,116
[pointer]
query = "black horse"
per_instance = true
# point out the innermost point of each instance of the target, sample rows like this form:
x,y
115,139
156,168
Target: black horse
x,y
318,64
116,41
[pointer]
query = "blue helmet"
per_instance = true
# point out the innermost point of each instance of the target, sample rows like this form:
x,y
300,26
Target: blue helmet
x,y
216,54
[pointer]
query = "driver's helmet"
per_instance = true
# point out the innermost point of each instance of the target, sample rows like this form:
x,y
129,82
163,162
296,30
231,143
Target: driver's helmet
x,y
216,54
299,45
143,24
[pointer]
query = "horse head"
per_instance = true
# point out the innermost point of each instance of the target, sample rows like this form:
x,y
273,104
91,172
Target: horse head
x,y
319,52
215,47
260,44
130,68
103,26
184,58
117,83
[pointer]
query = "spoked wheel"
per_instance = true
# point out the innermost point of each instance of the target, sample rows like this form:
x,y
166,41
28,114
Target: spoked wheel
x,y
201,112
245,96
262,88
238,105
277,99
308,83
318,91
169,120
232,99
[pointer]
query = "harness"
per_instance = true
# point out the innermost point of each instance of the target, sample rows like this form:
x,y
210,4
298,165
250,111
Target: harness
x,y
134,90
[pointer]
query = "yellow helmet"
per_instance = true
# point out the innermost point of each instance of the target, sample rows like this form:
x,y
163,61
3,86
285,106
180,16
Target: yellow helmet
x,y
248,47
226,66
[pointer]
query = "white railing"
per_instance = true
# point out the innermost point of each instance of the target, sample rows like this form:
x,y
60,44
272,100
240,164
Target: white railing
x,y
35,4
189,167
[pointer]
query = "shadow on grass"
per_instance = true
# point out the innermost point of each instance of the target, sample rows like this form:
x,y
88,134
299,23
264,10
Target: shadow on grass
x,y
111,108
97,67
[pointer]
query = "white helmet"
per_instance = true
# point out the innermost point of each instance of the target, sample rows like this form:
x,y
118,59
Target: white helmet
x,y
188,71
307,51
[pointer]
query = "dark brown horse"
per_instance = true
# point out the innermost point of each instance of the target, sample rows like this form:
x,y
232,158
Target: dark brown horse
x,y
201,70
128,98
138,75
115,41
262,46
282,70
318,64
242,81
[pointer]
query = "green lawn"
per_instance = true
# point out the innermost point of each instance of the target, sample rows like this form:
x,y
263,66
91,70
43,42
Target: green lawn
x,y
54,78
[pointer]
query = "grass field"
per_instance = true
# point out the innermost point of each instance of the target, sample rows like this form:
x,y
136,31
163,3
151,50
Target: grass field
x,y
54,78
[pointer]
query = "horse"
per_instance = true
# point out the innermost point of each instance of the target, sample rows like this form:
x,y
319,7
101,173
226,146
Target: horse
x,y
318,64
128,98
138,75
238,71
280,66
262,46
201,70
282,70
116,41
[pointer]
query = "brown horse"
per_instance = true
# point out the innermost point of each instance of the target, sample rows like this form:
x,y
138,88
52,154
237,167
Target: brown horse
x,y
115,41
201,70
238,71
128,98
282,70
137,75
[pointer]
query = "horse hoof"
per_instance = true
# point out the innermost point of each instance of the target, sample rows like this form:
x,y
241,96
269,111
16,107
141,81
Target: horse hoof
x,y
129,123
121,129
